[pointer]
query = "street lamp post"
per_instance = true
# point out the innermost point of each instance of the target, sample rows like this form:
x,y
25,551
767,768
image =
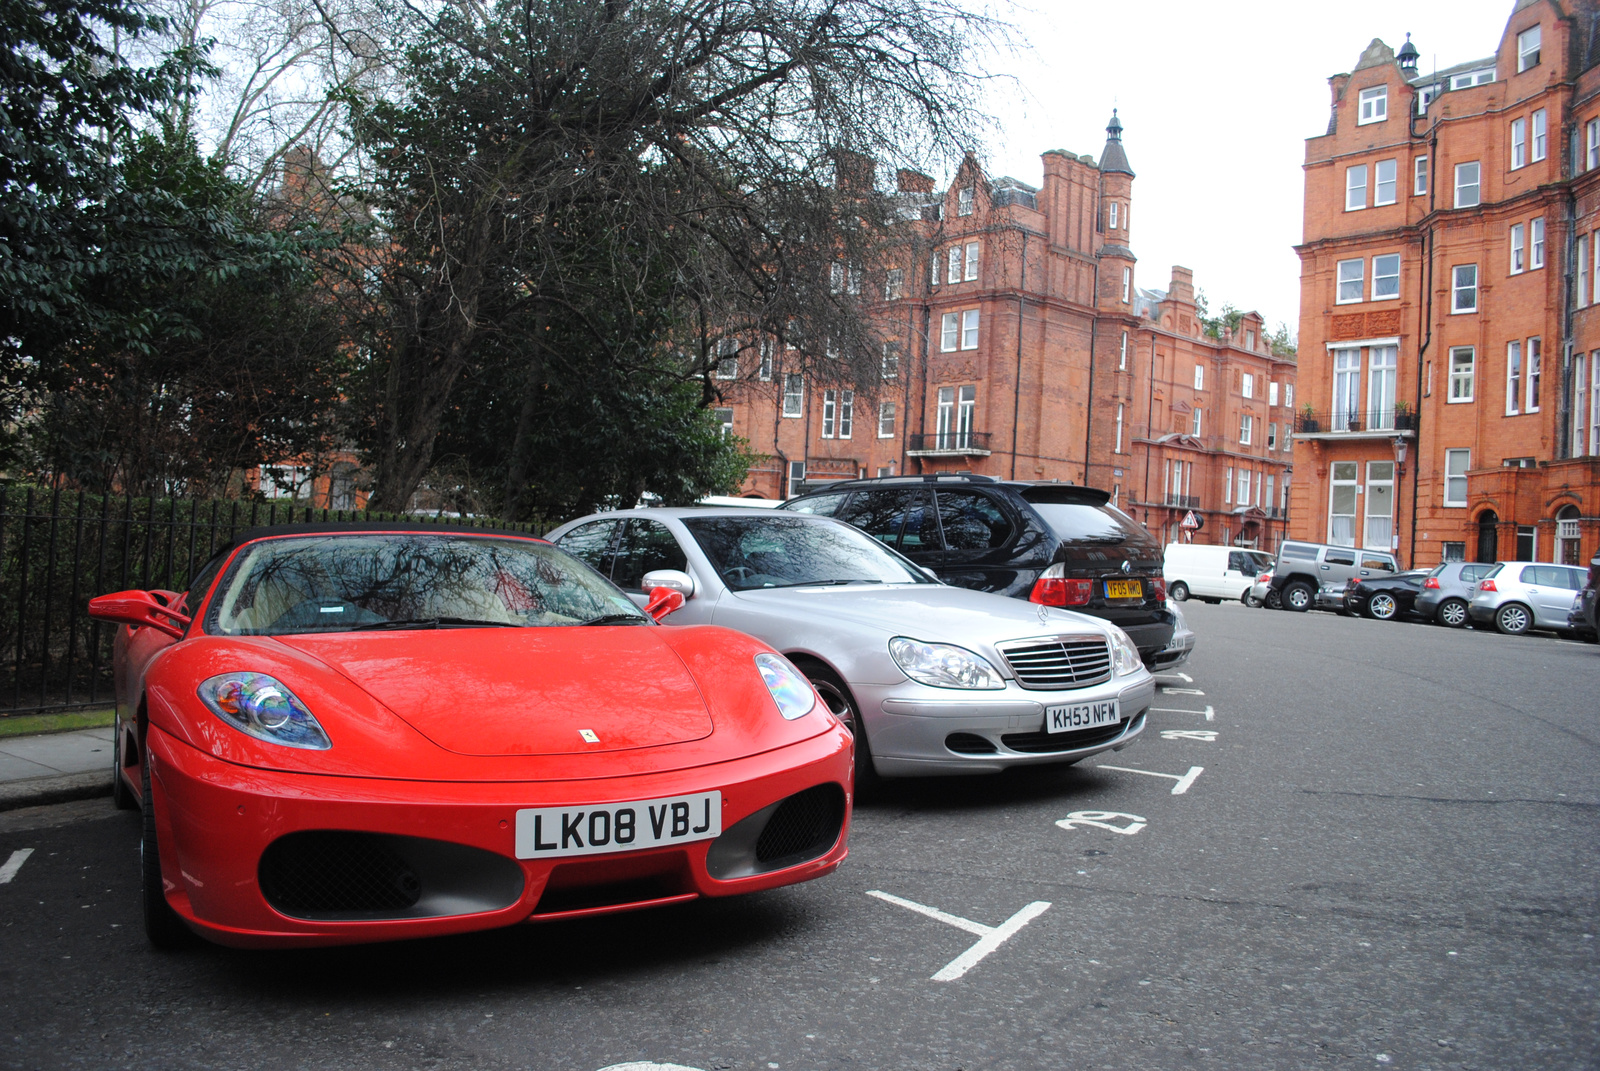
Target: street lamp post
x,y
1399,442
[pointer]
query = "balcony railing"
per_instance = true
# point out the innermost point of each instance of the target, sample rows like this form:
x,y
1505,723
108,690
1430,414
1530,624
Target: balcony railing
x,y
1184,501
954,443
1314,421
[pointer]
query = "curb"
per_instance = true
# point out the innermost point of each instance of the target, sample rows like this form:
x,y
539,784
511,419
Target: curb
x,y
37,791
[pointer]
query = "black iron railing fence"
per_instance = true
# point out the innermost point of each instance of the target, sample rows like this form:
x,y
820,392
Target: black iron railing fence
x,y
948,440
58,549
1323,420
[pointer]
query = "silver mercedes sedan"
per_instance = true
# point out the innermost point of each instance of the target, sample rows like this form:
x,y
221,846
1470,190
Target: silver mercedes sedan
x,y
932,679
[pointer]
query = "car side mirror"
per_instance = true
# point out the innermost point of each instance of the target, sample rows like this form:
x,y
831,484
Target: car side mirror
x,y
931,574
672,579
663,601
139,609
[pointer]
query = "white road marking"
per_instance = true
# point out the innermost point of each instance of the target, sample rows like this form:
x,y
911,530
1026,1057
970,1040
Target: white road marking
x,y
1208,712
14,864
1184,780
989,937
637,1065
1102,820
1184,677
1208,735
1170,690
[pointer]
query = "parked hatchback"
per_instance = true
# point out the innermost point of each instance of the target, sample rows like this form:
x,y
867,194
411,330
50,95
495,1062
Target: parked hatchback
x,y
1055,544
1448,589
1517,596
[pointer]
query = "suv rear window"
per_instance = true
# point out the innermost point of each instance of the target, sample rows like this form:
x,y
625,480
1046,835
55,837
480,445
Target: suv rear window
x,y
1083,523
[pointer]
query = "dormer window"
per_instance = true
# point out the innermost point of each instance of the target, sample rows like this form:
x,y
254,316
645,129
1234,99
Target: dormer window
x,y
1527,49
1468,79
1374,105
964,201
1112,224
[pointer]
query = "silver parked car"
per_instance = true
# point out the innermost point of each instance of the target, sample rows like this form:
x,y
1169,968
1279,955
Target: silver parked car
x,y
1448,589
1518,596
933,679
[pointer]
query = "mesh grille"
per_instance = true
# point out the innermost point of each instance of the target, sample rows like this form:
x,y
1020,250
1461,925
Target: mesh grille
x,y
1058,662
321,871
968,744
804,826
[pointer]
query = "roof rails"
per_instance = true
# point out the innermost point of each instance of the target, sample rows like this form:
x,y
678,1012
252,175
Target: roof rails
x,y
968,477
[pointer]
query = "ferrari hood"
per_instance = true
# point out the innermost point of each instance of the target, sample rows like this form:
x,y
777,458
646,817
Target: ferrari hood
x,y
524,691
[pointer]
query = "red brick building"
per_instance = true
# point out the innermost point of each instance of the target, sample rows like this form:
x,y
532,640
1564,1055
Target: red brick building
x,y
1447,321
1019,345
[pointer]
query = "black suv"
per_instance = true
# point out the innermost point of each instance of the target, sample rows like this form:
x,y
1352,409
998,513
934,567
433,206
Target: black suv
x,y
1052,543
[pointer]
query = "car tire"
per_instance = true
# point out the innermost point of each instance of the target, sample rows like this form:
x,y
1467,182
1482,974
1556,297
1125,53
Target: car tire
x,y
121,795
1178,592
162,926
1273,601
1513,619
1245,598
1298,597
1452,613
1382,606
837,696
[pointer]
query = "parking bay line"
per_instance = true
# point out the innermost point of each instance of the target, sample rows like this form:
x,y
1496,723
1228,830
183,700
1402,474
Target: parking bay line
x,y
1208,712
989,937
1170,690
1184,780
14,864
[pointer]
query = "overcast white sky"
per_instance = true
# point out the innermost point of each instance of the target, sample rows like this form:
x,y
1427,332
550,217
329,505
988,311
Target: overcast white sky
x,y
1217,98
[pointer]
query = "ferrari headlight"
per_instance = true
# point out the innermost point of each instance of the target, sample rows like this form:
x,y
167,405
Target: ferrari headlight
x,y
1124,655
943,665
263,707
793,693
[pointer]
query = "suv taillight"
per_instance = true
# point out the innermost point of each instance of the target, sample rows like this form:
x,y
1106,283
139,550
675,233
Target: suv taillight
x,y
1487,585
1158,588
1432,583
1054,589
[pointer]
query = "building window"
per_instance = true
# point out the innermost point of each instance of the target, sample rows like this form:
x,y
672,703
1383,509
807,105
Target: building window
x,y
933,265
764,370
1456,464
1199,414
1382,371
1346,387
1272,435
1594,403
885,420
1355,187
1538,149
894,284
728,358
956,409
1419,176
969,329
1374,105
1462,359
830,406
972,262
1591,142
953,270
1243,497
1122,357
891,360
1464,288
1579,396
1227,486
797,477
1386,276
793,395
1527,543
1513,376
1351,282
1272,393
1342,504
1517,242
1472,78
964,201
1118,449
1536,246
724,419
1380,504
950,332
1580,293
1519,143
1453,551
1467,185
1111,214
1288,395
1199,377
1246,427
1527,49
1533,356
1127,284
1383,190
1247,385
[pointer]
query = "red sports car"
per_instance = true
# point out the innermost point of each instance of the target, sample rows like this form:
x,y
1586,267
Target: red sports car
x,y
344,734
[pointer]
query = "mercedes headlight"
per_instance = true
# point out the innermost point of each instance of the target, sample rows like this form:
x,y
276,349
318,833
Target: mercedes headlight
x,y
263,707
943,665
1124,655
792,692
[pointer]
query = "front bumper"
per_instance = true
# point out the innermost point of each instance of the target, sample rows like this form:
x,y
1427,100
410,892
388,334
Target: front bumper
x,y
216,820
915,730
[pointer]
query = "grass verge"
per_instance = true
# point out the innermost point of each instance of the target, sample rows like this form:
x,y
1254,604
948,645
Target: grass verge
x,y
64,722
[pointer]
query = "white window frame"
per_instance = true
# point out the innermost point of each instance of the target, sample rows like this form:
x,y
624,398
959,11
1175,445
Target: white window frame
x,y
1419,177
1272,435
1528,42
830,408
1468,179
1247,385
797,477
966,200
969,329
1335,483
1519,143
1355,187
1288,395
1468,79
894,284
1247,427
1272,392
1199,377
885,420
1242,498
1373,106
1379,264
1591,140
1580,395
794,394
1463,374
724,418
1539,136
950,332
1580,292
889,366
1350,289
971,270
1518,245
1455,482
1127,284
1532,371
1513,377
764,365
953,270
1227,486
1536,243
1375,481
1594,403
1118,448
1385,176
1111,216
1198,422
1458,288
1122,357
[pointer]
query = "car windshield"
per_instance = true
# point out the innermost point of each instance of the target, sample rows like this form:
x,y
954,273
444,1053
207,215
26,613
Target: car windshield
x,y
377,581
784,552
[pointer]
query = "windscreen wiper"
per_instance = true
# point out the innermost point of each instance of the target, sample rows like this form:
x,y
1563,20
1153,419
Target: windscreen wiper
x,y
433,622
618,619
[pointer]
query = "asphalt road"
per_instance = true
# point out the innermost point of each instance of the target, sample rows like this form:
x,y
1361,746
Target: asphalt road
x,y
1390,857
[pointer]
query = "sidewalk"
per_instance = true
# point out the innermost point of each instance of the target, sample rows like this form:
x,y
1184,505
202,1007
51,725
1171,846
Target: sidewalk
x,y
54,767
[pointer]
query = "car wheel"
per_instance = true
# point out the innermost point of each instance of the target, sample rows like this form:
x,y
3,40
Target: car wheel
x,y
837,696
1297,597
121,795
1244,597
1382,607
1513,619
1178,592
1452,613
162,925
1273,601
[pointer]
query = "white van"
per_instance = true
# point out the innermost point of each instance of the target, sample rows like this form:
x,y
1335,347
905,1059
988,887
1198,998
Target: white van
x,y
1211,573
